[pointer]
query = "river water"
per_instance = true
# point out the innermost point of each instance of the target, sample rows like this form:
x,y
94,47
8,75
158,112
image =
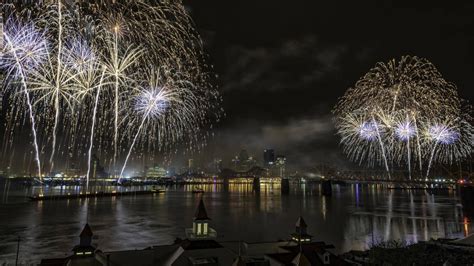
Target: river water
x,y
354,217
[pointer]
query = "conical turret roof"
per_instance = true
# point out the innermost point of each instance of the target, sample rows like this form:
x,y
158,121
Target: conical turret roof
x,y
87,231
201,213
301,223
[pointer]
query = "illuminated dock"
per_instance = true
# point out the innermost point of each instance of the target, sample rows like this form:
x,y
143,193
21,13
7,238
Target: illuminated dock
x,y
98,194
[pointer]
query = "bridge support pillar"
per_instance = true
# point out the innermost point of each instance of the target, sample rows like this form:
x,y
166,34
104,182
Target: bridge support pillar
x,y
256,184
326,188
467,198
226,184
285,186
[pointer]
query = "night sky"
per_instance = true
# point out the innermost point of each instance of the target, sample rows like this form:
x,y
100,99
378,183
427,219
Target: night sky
x,y
283,64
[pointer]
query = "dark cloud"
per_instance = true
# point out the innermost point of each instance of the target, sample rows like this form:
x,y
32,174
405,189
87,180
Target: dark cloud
x,y
292,65
297,132
303,140
271,98
283,65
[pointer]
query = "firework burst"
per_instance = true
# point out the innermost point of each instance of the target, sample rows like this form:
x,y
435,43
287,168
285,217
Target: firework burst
x,y
24,51
84,67
411,110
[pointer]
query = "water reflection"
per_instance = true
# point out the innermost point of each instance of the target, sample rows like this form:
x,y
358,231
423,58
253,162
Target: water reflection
x,y
466,226
266,188
6,189
355,217
412,215
423,217
323,207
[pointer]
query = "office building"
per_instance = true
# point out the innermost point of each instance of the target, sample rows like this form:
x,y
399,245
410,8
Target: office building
x,y
280,164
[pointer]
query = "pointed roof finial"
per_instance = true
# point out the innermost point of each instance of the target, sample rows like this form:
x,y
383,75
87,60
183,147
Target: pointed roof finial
x,y
85,242
87,231
300,234
201,213
301,223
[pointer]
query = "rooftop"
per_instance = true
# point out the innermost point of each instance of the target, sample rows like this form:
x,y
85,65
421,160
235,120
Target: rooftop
x,y
201,213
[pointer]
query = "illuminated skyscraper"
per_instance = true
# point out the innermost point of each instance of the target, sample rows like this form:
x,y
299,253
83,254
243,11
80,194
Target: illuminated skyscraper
x,y
217,165
191,166
280,163
243,162
155,172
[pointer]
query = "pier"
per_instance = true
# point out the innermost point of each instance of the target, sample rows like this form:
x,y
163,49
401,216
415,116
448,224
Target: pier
x,y
98,194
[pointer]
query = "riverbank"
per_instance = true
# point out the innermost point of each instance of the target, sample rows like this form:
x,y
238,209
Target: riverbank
x,y
434,252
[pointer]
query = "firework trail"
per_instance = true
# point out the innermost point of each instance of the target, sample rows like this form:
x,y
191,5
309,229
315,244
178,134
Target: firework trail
x,y
410,109
117,67
26,46
116,113
94,113
84,93
83,58
382,147
152,103
145,117
166,103
405,131
57,85
448,141
440,134
418,144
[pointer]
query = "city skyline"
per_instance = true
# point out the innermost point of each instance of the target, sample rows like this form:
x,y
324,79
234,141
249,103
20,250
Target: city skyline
x,y
300,121
181,132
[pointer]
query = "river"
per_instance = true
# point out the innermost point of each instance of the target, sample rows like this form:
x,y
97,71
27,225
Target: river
x,y
354,217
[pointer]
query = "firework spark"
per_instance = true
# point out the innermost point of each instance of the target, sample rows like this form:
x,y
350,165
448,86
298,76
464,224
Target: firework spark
x,y
170,108
24,51
403,98
368,131
443,134
84,67
405,131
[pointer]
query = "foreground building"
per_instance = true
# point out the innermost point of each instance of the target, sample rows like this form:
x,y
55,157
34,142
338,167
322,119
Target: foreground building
x,y
201,248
